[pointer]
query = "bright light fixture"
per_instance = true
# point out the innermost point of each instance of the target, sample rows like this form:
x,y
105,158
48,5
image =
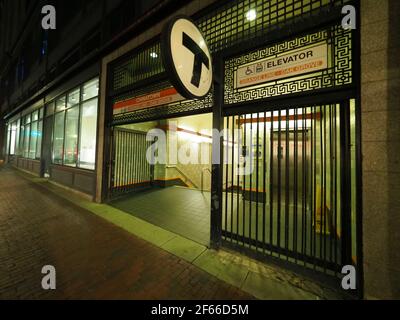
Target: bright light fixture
x,y
153,55
251,15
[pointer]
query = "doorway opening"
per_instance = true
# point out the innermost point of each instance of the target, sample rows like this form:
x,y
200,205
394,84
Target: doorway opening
x,y
161,172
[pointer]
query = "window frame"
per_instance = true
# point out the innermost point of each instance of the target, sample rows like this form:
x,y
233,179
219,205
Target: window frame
x,y
80,102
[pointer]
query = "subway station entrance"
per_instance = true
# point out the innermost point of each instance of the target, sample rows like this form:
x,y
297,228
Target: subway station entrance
x,y
287,185
172,191
285,103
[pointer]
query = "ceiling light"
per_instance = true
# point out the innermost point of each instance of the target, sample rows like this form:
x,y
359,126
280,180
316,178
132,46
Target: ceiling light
x,y
154,55
251,15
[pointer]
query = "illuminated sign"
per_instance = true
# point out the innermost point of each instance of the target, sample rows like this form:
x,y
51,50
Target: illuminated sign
x,y
187,58
153,99
291,64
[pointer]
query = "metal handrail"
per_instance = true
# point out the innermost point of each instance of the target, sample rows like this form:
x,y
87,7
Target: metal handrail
x,y
202,177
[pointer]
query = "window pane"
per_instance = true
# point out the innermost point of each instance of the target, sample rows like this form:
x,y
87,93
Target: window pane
x,y
60,104
12,140
58,142
17,137
71,137
35,115
33,140
28,118
21,141
8,139
50,109
41,110
39,139
26,140
90,89
87,150
73,98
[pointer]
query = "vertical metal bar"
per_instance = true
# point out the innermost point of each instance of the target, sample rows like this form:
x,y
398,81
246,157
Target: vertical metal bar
x,y
336,184
217,167
257,173
264,177
226,175
232,172
331,160
128,160
141,172
111,181
279,152
114,137
271,183
314,184
238,181
118,158
132,162
295,173
287,179
322,147
244,154
251,176
324,187
304,138
123,161
345,166
134,152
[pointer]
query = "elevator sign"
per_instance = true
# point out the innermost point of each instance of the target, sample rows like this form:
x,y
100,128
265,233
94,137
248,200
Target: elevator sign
x,y
187,58
291,64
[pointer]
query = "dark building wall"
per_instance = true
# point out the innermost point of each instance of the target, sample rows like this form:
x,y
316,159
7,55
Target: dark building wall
x,y
33,60
3,139
380,100
31,57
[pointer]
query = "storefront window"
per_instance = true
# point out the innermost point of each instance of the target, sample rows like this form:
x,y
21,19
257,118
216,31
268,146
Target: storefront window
x,y
90,89
8,139
58,139
41,112
21,140
35,115
73,98
50,109
39,139
74,129
71,137
28,119
60,104
33,140
87,150
17,131
26,140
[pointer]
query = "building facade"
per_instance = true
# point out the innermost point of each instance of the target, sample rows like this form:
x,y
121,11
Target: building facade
x,y
296,97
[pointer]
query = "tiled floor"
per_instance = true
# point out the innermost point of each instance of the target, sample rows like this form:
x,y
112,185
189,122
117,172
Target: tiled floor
x,y
187,212
178,209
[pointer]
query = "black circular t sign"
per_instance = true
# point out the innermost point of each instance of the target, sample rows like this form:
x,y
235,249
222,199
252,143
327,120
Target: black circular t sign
x,y
186,58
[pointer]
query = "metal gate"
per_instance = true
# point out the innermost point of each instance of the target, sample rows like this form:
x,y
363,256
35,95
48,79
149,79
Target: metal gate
x,y
130,170
287,185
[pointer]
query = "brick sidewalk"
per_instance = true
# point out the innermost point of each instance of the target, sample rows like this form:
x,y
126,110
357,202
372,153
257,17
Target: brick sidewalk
x,y
93,258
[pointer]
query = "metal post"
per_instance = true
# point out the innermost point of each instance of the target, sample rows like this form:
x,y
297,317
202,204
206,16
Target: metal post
x,y
345,182
217,167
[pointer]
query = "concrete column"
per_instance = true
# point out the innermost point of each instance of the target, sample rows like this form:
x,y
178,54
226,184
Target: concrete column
x,y
380,107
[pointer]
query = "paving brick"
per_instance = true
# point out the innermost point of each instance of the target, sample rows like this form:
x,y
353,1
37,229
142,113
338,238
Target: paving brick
x,y
93,258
